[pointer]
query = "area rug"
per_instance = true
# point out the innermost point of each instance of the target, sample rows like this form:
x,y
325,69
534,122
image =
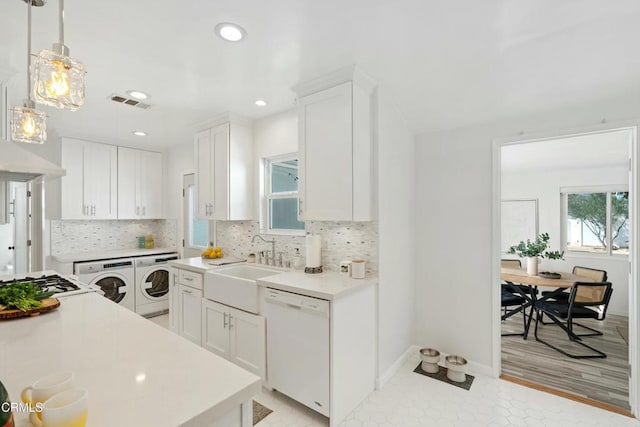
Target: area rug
x,y
624,333
259,412
441,375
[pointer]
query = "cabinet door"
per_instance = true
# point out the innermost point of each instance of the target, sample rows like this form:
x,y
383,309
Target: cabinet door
x,y
204,174
220,162
248,341
100,180
215,328
174,301
325,126
190,304
150,179
128,208
72,194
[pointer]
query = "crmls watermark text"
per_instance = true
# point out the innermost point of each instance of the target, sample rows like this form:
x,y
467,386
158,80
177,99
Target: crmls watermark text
x,y
18,407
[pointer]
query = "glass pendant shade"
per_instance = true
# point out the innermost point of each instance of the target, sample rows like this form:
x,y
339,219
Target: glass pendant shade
x,y
59,80
28,125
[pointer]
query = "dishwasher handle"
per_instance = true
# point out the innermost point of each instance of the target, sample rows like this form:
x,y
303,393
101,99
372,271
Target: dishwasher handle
x,y
297,302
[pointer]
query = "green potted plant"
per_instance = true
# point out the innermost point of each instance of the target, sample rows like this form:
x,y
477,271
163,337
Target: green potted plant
x,y
535,250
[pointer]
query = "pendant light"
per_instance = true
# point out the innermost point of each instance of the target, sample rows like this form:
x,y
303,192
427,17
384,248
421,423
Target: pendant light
x,y
27,124
59,79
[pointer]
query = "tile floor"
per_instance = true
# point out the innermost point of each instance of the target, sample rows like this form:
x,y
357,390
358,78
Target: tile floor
x,y
410,399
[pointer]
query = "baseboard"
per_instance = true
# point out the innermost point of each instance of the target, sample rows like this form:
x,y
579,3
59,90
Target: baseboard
x,y
383,379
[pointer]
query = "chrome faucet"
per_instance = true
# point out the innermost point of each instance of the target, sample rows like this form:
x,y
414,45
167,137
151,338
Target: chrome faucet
x,y
273,248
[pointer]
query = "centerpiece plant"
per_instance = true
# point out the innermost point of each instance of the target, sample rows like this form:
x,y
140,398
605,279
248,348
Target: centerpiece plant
x,y
534,250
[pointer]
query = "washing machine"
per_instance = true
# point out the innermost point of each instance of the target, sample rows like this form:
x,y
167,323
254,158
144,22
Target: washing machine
x,y
152,284
115,277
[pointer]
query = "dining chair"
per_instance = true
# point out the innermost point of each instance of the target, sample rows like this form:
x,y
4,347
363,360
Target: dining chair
x,y
586,301
593,274
509,297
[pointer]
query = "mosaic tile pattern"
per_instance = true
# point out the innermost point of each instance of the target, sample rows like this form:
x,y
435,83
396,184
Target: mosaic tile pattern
x,y
340,241
81,236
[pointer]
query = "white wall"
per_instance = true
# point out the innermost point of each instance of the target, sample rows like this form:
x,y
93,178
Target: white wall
x,y
546,188
396,220
454,224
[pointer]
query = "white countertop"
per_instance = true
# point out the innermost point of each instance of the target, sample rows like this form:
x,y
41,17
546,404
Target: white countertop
x,y
328,285
137,373
201,265
117,253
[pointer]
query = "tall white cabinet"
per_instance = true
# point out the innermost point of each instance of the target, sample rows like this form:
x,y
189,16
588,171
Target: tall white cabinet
x,y
335,128
224,172
139,184
90,187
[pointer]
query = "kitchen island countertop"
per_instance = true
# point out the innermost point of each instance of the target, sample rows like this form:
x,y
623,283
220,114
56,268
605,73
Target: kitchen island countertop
x,y
137,373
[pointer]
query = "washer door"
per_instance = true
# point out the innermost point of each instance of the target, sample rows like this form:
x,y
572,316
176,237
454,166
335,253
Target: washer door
x,y
113,286
155,284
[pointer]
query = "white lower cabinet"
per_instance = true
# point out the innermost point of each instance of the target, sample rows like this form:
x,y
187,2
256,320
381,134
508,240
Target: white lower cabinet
x,y
185,304
235,335
189,303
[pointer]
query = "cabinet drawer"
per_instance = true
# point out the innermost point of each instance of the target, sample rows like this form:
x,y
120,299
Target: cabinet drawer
x,y
190,279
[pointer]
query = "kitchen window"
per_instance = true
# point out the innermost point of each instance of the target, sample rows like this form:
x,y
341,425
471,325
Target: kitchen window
x,y
596,220
281,196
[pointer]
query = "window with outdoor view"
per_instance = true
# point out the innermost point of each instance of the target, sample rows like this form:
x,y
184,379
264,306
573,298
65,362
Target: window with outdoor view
x,y
597,221
281,190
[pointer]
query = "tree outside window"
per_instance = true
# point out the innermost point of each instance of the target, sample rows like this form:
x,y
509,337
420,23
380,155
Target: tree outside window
x,y
598,222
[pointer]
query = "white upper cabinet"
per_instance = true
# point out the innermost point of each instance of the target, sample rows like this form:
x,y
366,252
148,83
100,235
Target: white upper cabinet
x,y
335,148
224,172
89,189
139,184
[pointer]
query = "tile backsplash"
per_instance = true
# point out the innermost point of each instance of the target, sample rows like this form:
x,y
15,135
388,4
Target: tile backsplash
x,y
340,241
83,236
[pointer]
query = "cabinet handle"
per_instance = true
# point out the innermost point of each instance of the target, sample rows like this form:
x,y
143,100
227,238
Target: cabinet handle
x,y
137,210
230,318
84,210
299,207
93,210
224,320
188,279
187,291
144,211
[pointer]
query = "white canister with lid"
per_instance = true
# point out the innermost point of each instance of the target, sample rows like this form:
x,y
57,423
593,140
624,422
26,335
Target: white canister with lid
x,y
357,269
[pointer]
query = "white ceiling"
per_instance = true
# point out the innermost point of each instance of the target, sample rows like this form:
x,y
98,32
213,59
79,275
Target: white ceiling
x,y
446,63
580,152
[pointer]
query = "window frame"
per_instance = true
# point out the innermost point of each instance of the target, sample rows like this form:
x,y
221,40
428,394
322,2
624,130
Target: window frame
x,y
265,226
564,204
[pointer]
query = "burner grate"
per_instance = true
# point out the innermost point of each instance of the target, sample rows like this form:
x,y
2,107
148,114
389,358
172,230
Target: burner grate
x,y
52,283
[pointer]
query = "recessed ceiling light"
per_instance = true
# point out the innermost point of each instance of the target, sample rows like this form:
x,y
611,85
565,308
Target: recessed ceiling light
x,y
261,103
139,133
137,94
230,32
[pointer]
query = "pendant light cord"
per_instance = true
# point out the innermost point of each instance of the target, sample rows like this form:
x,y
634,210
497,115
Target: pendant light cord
x,y
29,5
61,21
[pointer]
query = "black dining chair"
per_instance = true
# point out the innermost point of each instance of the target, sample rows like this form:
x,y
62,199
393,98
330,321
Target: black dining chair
x,y
593,274
510,298
586,301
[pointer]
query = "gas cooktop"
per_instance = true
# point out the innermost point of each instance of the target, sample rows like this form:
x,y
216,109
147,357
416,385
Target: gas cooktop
x,y
48,283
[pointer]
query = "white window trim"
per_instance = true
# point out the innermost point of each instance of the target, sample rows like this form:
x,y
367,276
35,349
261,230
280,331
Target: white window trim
x,y
564,191
267,196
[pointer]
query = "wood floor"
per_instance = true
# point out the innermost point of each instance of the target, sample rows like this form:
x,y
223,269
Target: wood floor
x,y
604,380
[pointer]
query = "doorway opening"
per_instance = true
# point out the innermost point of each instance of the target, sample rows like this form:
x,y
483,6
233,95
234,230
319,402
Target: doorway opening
x,y
579,188
15,228
197,233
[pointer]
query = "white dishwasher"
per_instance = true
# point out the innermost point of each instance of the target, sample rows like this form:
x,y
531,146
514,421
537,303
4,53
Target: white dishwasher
x,y
298,347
